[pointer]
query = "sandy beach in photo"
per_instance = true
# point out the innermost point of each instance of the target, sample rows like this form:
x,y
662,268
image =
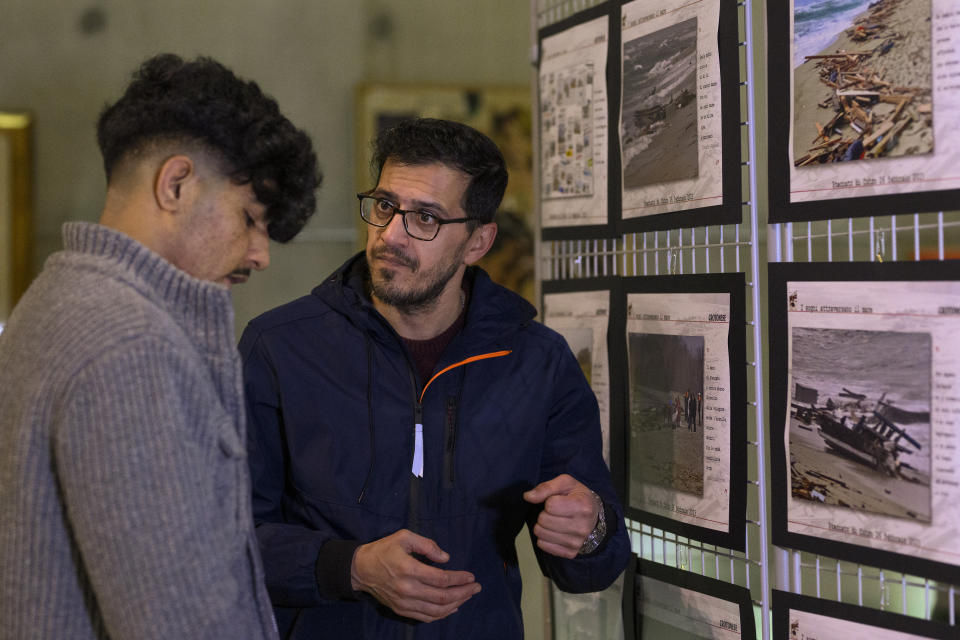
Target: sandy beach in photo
x,y
869,93
667,457
823,476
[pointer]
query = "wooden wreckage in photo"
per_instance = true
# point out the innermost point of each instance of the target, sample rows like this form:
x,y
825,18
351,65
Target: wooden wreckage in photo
x,y
869,113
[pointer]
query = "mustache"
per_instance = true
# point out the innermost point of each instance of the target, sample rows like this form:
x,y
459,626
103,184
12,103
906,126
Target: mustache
x,y
386,252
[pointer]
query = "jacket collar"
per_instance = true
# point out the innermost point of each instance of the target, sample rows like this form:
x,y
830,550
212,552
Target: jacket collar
x,y
202,309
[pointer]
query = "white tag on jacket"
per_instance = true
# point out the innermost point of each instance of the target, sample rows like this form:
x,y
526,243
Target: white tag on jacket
x,y
418,451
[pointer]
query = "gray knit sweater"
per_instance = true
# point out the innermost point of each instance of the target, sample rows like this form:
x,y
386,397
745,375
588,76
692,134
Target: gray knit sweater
x,y
124,489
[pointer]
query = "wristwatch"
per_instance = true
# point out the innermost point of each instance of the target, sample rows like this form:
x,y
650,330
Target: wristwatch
x,y
599,532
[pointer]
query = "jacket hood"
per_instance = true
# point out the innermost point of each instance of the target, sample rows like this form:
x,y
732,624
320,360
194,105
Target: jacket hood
x,y
493,311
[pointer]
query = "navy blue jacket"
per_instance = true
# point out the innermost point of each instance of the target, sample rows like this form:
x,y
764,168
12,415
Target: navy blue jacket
x,y
333,398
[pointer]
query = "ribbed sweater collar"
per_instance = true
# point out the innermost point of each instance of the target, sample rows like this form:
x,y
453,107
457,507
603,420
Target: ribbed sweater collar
x,y
203,309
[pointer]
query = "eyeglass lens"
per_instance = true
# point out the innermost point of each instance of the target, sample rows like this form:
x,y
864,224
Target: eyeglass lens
x,y
420,225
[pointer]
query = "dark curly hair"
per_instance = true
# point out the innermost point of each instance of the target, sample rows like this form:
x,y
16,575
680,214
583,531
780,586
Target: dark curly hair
x,y
201,102
420,141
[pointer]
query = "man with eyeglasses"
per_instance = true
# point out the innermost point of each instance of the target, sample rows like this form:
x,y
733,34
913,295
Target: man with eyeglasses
x,y
408,417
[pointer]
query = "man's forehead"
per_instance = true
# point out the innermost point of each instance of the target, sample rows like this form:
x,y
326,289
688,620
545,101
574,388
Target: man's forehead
x,y
435,179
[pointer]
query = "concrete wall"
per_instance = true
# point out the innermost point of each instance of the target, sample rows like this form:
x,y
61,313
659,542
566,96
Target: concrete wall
x,y
65,60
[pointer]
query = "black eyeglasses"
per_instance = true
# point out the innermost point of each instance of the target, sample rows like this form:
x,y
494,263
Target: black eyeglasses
x,y
422,225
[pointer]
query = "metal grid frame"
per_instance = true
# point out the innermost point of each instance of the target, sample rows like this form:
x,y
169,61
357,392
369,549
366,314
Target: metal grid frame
x,y
710,249
747,247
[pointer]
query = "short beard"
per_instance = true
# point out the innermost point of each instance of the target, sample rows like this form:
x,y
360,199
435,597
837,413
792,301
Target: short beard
x,y
415,299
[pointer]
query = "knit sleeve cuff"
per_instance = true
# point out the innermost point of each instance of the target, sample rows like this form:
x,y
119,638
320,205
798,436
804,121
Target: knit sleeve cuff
x,y
332,569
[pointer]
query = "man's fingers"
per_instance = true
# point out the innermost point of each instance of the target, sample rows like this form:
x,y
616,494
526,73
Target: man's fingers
x,y
571,506
559,485
569,526
424,546
568,539
440,578
558,550
427,604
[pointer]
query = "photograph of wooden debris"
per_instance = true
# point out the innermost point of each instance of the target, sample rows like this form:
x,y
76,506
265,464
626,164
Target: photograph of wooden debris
x,y
862,80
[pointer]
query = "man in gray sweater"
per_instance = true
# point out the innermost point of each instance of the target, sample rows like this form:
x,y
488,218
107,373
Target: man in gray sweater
x,y
124,489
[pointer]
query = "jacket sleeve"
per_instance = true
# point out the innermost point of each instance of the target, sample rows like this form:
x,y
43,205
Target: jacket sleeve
x,y
304,566
151,473
573,445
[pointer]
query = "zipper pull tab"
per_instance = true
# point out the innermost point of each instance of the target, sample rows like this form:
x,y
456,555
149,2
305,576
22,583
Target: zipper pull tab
x,y
417,468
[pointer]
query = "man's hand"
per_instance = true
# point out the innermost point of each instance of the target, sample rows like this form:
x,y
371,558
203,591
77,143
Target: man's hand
x,y
386,569
570,513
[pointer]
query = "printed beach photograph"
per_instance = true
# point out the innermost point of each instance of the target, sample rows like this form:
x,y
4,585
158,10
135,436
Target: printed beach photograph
x,y
860,420
581,343
658,128
666,412
862,80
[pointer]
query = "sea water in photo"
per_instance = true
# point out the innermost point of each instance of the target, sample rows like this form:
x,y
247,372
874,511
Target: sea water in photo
x,y
817,23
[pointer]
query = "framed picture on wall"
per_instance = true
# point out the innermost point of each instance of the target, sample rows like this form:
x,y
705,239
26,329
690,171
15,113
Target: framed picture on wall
x,y
664,602
574,108
16,207
799,617
686,405
587,616
864,397
587,313
502,112
679,117
864,108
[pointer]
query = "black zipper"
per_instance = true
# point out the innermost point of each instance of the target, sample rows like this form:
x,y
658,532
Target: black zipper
x,y
449,457
451,424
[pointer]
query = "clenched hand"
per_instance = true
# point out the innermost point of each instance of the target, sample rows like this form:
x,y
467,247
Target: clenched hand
x,y
570,513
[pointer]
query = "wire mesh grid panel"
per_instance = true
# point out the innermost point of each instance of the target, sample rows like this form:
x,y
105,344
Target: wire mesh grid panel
x,y
744,248
903,238
728,248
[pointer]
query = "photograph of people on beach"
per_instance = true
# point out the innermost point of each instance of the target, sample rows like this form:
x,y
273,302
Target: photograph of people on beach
x,y
666,411
566,112
659,133
862,80
860,420
684,404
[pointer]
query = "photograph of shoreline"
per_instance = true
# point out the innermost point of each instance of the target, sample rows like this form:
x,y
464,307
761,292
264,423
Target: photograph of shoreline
x,y
666,412
658,124
859,423
581,343
862,80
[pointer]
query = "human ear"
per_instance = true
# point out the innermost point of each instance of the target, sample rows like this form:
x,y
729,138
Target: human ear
x,y
174,173
480,242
